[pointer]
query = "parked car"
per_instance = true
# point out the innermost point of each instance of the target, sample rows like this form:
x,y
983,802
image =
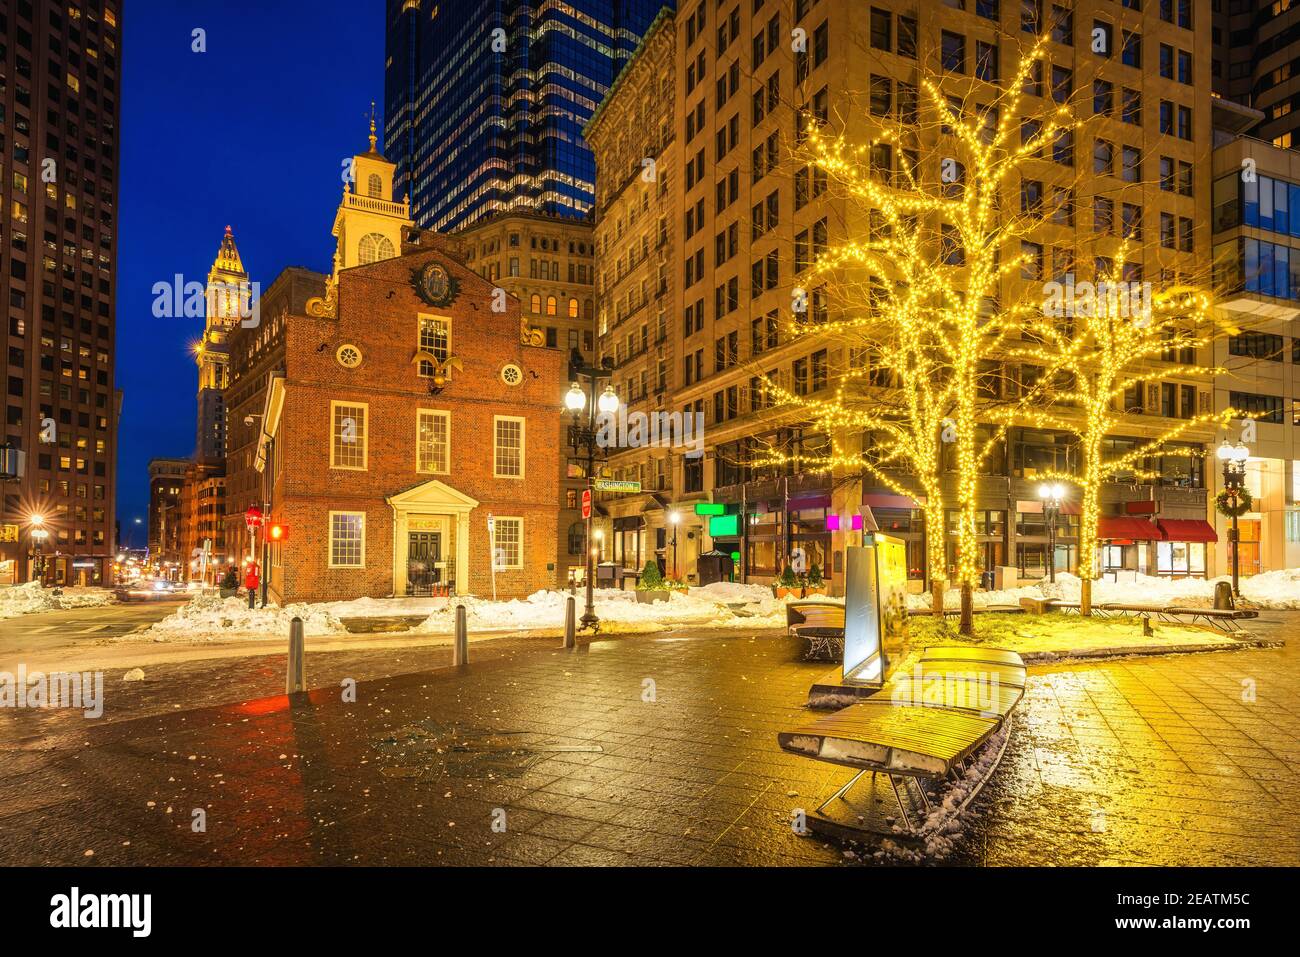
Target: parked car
x,y
147,589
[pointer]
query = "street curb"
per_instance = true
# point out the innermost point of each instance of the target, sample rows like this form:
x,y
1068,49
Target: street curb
x,y
1052,657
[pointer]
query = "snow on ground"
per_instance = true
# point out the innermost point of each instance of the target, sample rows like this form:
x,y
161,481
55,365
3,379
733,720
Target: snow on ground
x,y
745,606
1279,589
29,598
207,617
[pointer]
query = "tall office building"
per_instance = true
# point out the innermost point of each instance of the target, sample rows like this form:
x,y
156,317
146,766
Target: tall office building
x,y
1256,61
753,220
59,106
485,101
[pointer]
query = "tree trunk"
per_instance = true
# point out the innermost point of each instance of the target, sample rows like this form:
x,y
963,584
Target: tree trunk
x,y
1085,596
936,596
967,609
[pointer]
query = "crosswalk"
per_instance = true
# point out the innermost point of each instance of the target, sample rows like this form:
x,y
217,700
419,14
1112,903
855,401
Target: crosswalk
x,y
88,628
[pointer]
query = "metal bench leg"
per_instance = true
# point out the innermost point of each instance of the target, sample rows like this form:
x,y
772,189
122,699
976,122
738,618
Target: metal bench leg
x,y
902,808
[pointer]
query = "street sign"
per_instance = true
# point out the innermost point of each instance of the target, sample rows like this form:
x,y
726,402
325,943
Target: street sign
x,y
586,504
615,485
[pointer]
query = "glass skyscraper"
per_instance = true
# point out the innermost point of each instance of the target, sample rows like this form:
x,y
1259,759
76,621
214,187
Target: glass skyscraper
x,y
485,101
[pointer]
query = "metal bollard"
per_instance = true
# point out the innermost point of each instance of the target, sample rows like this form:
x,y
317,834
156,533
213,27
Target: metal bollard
x,y
570,622
460,655
295,680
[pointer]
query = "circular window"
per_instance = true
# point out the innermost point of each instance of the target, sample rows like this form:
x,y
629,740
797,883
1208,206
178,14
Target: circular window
x,y
511,374
348,356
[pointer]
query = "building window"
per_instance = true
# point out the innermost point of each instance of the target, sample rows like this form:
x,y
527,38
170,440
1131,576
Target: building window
x,y
508,447
508,544
433,442
435,339
373,248
348,435
347,540
375,186
578,535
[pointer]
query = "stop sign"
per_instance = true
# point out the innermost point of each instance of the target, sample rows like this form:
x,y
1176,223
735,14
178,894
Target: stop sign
x,y
586,503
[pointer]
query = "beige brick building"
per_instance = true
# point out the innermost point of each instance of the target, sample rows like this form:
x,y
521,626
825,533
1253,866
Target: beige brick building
x,y
744,223
547,263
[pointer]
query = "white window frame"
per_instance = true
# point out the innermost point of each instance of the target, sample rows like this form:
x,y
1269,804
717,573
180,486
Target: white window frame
x,y
365,435
446,416
496,537
330,536
419,338
523,446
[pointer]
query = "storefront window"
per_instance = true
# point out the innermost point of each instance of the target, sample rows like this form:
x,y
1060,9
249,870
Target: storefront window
x,y
1180,558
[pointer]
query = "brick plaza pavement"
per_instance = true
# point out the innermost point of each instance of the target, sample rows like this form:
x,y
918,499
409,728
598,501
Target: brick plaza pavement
x,y
650,750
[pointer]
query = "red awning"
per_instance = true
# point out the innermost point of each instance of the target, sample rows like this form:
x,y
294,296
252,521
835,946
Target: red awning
x,y
1187,530
1110,527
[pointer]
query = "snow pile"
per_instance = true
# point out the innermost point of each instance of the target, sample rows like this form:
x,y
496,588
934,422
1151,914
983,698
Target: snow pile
x,y
619,611
29,598
208,617
383,607
1279,589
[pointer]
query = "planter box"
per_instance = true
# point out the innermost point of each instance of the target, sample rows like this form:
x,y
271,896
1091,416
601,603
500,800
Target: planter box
x,y
646,597
811,590
780,591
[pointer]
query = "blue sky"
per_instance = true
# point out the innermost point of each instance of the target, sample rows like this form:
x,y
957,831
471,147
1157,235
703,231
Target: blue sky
x,y
250,133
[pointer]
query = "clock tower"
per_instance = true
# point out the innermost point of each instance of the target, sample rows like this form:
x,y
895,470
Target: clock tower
x,y
368,226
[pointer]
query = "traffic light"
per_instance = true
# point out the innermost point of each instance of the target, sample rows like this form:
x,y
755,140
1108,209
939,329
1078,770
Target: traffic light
x,y
277,532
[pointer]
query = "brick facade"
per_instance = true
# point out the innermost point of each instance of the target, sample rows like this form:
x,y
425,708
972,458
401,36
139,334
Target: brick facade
x,y
378,315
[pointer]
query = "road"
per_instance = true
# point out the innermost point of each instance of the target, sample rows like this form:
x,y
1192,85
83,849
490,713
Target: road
x,y
54,630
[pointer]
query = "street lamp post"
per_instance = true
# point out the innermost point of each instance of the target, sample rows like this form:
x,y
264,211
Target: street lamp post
x,y
1234,480
675,518
583,440
1051,496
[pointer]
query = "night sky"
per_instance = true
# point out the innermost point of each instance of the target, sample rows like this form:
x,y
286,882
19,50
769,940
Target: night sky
x,y
251,133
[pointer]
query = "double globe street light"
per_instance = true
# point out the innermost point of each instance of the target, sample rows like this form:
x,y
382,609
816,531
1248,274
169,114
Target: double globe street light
x,y
583,438
1051,494
1234,482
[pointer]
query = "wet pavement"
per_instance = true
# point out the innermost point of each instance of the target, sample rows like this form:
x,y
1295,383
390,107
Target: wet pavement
x,y
637,750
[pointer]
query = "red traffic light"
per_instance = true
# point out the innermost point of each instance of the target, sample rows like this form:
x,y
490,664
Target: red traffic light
x,y
277,532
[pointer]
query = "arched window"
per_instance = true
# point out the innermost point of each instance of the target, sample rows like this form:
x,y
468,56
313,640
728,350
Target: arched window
x,y
537,304
573,309
550,305
374,247
375,185
577,534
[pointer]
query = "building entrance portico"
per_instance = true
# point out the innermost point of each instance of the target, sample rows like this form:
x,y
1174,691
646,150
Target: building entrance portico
x,y
430,538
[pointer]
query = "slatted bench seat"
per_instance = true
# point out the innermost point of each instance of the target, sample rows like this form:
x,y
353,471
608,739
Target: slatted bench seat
x,y
989,656
1225,619
1011,675
821,624
986,698
924,724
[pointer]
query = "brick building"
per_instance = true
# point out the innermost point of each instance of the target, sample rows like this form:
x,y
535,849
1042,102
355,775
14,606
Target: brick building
x,y
409,409
166,484
547,262
202,512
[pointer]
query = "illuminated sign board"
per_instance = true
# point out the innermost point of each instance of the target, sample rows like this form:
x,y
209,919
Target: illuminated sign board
x,y
710,508
724,526
875,606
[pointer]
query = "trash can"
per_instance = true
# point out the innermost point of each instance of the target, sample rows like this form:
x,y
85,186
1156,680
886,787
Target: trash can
x,y
715,566
1223,599
606,574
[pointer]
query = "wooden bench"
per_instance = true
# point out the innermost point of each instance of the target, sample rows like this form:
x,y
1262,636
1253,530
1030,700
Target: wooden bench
x,y
923,725
821,624
1225,619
